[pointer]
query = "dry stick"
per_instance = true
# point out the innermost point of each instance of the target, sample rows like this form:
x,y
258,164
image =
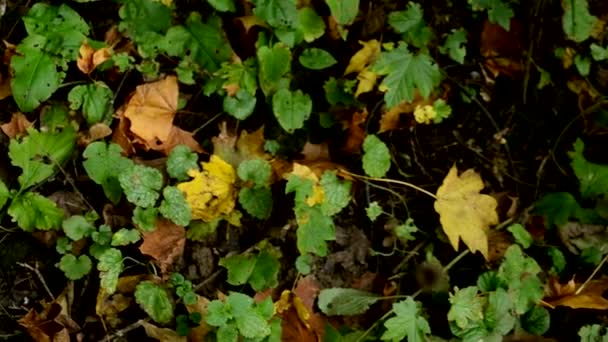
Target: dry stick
x,y
35,270
580,289
416,294
123,331
413,186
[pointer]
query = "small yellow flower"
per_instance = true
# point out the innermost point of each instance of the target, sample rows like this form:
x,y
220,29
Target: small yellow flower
x,y
210,193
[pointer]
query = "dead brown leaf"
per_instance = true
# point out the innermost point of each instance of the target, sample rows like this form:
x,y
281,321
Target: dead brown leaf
x,y
566,295
96,132
390,119
53,324
177,136
162,334
356,132
89,58
306,291
503,50
17,126
165,244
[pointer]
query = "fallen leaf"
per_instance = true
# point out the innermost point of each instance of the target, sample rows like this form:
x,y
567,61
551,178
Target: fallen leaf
x,y
367,81
306,291
108,306
121,134
17,126
162,334
89,58
211,193
356,132
364,57
589,298
305,172
165,244
96,132
464,213
391,118
151,110
234,148
503,50
53,324
5,86
177,136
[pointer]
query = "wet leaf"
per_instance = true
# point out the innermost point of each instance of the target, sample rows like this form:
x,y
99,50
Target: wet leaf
x,y
464,212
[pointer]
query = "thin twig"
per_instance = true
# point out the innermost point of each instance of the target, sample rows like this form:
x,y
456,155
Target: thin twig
x,y
416,187
207,281
597,269
123,331
39,275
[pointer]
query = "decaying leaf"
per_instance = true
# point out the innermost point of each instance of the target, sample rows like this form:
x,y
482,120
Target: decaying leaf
x,y
464,213
305,172
162,334
299,320
211,193
17,126
53,324
356,132
108,306
89,58
96,132
360,63
390,119
177,136
502,49
165,244
234,148
590,297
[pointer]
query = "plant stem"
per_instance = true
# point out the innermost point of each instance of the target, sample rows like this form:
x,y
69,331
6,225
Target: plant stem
x,y
413,186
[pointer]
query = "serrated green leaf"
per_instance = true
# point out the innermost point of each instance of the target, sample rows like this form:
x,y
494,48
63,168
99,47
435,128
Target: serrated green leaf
x,y
63,245
145,218
174,206
521,235
145,22
559,207
103,236
180,160
411,24
345,301
257,202
454,45
592,333
77,227
33,211
255,170
125,237
250,322
336,193
593,177
243,74
558,260
205,43
498,12
141,184
339,91
104,164
74,267
520,272
95,100
277,13
291,109
241,105
499,318
218,314
110,266
260,269
577,22
467,307
376,157
274,63
155,301
405,230
406,74
344,11
316,59
39,153
407,322
222,5
310,24
314,229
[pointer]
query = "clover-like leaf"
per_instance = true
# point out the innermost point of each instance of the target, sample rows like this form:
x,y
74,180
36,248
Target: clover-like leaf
x,y
454,45
104,164
255,170
74,267
95,100
77,227
241,105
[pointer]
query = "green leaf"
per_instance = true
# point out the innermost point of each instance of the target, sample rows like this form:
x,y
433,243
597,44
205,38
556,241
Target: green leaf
x,y
558,259
75,268
404,231
241,105
104,164
467,307
411,24
314,229
336,193
155,301
125,237
406,74
205,43
304,263
141,184
407,322
103,236
454,45
577,22
583,64
63,245
260,270
316,59
520,272
180,160
559,207
593,177
145,218
255,170
339,91
592,333
39,153
33,211
310,24
499,318
345,301
344,11
257,202
35,75
145,22
536,321
274,63
376,157
174,206
110,266
243,74
291,108
277,13
95,100
249,321
442,110
521,235
498,12
598,53
200,230
4,194
218,314
222,5
373,211
77,227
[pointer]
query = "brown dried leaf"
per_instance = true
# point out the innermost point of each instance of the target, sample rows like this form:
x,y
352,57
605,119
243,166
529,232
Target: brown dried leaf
x,y
589,298
177,136
502,49
53,324
162,334
356,132
96,132
17,126
165,244
89,58
235,148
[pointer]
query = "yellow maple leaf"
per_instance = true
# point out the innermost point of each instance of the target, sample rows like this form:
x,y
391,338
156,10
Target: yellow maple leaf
x,y
464,213
210,193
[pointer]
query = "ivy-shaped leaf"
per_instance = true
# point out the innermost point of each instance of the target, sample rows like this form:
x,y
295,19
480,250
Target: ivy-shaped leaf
x,y
407,322
291,108
74,267
181,159
95,100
